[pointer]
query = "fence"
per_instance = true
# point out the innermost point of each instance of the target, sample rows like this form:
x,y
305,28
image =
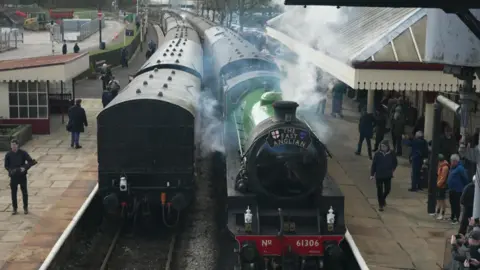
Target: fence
x,y
76,29
9,38
112,57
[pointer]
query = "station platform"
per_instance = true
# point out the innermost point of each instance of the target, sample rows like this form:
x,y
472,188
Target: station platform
x,y
58,186
404,236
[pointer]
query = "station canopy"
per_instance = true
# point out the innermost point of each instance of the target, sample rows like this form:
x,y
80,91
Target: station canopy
x,y
366,47
53,68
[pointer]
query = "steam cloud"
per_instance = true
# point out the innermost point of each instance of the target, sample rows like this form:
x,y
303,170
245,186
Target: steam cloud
x,y
209,135
304,83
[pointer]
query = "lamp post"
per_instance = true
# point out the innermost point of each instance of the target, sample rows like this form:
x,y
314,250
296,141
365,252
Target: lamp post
x,y
52,38
99,14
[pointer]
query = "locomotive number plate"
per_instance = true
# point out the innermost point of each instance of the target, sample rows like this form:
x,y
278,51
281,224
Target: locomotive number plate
x,y
289,136
303,245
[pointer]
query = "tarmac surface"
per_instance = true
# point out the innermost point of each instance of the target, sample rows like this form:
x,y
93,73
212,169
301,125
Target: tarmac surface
x,y
39,44
404,236
58,186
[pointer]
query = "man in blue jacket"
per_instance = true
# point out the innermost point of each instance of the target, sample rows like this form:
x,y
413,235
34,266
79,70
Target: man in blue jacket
x,y
457,180
419,152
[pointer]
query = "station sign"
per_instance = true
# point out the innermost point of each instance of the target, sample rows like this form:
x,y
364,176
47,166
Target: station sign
x,y
289,136
129,32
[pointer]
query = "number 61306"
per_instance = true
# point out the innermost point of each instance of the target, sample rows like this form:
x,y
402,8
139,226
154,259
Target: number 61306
x,y
308,243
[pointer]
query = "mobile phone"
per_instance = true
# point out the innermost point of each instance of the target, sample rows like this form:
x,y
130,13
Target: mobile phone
x,y
458,236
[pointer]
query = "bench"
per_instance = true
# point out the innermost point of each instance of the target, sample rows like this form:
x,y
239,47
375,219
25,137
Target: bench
x,y
60,102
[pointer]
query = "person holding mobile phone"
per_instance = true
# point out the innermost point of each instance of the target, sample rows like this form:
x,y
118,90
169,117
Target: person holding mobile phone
x,y
474,246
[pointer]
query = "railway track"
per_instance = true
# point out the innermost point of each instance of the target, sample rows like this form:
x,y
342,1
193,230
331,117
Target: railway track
x,y
145,249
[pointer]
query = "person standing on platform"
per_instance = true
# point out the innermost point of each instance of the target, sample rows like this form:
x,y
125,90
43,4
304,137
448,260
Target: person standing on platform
x,y
397,125
77,121
383,166
441,192
365,128
381,128
106,75
124,57
457,180
17,162
106,98
64,47
448,145
338,91
76,48
418,152
472,154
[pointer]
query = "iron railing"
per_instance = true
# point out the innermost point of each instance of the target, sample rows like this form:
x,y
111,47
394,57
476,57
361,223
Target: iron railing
x,y
9,38
84,29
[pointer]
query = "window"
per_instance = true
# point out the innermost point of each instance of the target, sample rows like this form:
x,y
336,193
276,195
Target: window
x,y
28,99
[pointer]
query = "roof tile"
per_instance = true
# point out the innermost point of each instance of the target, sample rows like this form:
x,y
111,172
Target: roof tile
x,y
38,61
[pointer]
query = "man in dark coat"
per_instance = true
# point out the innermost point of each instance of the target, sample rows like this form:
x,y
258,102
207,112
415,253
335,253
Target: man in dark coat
x,y
448,144
106,97
106,75
382,169
124,57
365,128
76,48
152,46
77,119
17,162
338,91
419,152
148,54
466,200
381,128
64,47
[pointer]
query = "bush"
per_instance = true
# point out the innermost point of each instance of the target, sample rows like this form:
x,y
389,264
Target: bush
x,y
8,132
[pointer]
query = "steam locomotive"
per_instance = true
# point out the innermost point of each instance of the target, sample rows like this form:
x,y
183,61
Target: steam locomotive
x,y
146,147
282,209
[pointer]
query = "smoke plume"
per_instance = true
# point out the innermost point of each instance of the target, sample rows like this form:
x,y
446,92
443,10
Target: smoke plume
x,y
209,125
303,82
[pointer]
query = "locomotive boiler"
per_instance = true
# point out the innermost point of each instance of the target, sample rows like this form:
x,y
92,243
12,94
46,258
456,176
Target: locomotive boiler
x,y
282,209
146,146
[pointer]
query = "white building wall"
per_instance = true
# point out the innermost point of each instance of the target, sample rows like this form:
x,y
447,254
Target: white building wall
x,y
4,101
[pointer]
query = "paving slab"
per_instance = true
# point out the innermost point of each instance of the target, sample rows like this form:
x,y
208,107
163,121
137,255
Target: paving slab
x,y
54,194
58,186
404,236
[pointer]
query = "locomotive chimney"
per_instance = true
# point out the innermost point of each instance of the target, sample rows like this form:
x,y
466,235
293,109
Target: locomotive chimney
x,y
285,110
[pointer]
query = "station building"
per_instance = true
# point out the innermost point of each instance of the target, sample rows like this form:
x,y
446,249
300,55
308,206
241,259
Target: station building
x,y
32,89
378,50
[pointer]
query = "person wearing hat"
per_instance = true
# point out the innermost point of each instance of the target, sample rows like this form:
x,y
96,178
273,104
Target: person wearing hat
x,y
442,175
383,166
